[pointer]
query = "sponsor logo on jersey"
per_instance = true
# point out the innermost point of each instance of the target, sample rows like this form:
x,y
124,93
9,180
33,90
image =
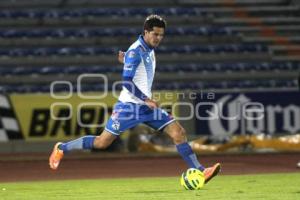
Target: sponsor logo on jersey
x,y
131,54
128,67
116,125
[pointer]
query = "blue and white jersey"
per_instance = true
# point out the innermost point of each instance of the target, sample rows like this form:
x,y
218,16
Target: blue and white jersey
x,y
138,72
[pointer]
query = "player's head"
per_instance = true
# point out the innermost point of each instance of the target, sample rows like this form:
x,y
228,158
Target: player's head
x,y
154,30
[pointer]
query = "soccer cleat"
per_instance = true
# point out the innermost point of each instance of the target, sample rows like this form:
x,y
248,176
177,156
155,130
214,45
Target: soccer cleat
x,y
211,172
55,156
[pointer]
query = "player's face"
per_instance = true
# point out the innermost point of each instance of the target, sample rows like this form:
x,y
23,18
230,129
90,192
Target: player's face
x,y
154,37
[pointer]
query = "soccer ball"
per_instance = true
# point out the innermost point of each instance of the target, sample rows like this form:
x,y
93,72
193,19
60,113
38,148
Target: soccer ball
x,y
192,179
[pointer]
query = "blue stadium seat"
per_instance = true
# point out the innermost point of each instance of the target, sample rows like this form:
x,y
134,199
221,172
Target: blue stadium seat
x,y
99,32
99,12
4,71
51,70
25,71
184,68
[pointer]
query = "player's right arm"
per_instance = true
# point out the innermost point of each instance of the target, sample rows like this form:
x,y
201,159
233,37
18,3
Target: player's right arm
x,y
131,62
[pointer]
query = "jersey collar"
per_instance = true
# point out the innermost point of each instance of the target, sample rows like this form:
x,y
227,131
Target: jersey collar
x,y
142,41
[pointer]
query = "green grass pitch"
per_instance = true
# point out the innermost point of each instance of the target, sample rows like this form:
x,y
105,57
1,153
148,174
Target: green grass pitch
x,y
264,187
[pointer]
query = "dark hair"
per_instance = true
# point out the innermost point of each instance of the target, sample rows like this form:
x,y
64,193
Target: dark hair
x,y
154,21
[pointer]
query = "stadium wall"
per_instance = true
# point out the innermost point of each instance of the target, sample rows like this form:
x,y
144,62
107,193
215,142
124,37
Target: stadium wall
x,y
248,113
34,122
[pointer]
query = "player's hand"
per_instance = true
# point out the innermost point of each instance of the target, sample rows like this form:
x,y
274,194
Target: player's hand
x,y
121,56
151,103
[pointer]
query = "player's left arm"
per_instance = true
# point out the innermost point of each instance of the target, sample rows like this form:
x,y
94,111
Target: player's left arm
x,y
152,103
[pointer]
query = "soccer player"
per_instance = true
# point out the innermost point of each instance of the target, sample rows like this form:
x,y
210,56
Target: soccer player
x,y
135,105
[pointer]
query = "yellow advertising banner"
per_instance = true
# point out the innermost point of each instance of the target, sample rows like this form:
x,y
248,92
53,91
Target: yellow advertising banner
x,y
64,117
42,116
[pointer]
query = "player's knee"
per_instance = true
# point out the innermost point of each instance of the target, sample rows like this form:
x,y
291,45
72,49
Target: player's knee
x,y
179,135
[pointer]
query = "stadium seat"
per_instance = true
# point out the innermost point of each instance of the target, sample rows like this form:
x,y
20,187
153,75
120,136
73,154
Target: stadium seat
x,y
42,42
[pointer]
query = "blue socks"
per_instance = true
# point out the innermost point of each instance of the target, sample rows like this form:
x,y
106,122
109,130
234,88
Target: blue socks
x,y
189,156
85,142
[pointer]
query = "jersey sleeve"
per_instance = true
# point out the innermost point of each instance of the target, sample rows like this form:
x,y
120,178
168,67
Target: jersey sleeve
x,y
131,62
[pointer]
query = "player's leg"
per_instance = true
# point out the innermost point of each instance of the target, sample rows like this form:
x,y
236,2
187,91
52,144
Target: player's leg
x,y
83,143
161,120
117,123
89,142
178,135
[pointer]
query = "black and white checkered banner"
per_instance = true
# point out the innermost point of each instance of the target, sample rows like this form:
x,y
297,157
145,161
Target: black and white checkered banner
x,y
9,126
